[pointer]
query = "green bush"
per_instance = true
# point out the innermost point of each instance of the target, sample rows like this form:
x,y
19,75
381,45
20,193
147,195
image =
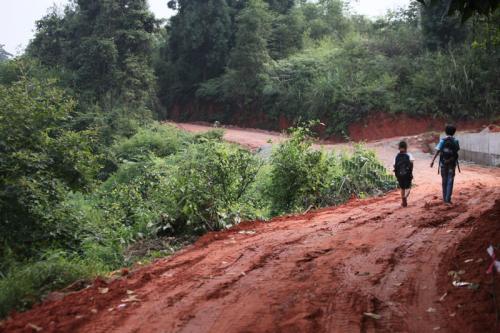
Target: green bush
x,y
40,161
159,140
208,183
204,187
357,174
302,177
94,233
24,285
135,197
298,173
215,134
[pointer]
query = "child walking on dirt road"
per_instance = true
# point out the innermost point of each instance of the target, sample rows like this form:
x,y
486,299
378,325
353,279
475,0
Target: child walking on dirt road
x,y
403,168
447,149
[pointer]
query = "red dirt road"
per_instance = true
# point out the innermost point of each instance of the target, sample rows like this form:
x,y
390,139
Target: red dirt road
x,y
250,138
318,272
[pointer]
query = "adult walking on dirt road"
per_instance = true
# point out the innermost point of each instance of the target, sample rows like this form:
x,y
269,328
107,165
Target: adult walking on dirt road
x,y
447,149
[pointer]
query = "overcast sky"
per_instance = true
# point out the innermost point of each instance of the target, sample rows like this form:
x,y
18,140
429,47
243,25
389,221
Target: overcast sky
x,y
17,17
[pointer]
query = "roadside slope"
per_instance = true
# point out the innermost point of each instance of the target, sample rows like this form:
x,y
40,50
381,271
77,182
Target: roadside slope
x,y
318,272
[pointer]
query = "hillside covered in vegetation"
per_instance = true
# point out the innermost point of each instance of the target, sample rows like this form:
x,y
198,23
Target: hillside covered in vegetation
x,y
257,63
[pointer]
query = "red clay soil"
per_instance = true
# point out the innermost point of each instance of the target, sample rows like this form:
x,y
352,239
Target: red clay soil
x,y
382,125
492,128
250,138
475,309
365,266
379,125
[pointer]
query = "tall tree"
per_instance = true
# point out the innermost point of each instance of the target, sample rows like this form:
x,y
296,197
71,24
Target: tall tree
x,y
250,55
104,47
465,8
281,6
325,18
199,42
438,29
287,33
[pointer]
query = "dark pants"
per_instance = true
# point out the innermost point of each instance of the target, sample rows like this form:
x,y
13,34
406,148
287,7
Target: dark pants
x,y
448,176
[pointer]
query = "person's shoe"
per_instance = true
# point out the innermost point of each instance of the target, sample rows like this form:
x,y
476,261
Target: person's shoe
x,y
405,203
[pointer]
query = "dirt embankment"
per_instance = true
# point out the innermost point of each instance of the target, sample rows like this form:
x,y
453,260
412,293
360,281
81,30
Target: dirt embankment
x,y
366,266
377,126
382,125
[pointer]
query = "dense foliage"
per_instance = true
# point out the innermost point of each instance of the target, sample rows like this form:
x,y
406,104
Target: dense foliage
x,y
102,51
40,160
315,60
466,8
302,178
106,44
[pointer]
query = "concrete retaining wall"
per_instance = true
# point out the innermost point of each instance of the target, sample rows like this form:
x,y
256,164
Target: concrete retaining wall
x,y
482,148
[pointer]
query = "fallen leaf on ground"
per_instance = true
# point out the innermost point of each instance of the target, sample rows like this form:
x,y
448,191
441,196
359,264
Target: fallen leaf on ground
x,y
372,315
93,311
443,297
247,232
130,292
131,298
55,296
468,261
431,310
103,290
33,326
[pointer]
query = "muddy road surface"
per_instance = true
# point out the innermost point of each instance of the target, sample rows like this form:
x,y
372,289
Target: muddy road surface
x,y
365,266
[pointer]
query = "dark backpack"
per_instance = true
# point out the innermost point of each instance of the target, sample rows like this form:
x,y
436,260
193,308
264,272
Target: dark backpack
x,y
403,168
449,152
